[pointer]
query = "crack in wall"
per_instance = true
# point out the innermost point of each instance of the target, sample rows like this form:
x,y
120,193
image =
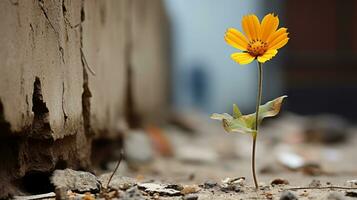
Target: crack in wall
x,y
42,7
41,127
65,116
86,95
66,20
41,4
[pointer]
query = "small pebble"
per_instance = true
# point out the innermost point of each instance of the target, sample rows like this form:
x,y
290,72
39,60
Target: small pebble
x,y
190,197
287,195
351,194
231,188
188,189
315,183
280,181
209,184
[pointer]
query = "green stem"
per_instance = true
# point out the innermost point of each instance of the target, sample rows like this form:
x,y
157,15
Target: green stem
x,y
259,99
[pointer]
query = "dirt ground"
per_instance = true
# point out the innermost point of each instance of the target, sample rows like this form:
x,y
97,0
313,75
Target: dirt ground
x,y
297,158
209,155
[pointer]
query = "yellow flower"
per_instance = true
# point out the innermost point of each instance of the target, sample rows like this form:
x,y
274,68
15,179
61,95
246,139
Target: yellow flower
x,y
262,42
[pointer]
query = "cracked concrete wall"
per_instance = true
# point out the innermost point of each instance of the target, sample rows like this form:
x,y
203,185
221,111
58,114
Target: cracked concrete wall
x,y
70,70
150,58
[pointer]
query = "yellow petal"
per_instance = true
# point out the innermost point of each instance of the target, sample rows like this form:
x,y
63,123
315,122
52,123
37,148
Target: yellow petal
x,y
279,41
242,58
236,39
251,26
276,34
269,25
267,55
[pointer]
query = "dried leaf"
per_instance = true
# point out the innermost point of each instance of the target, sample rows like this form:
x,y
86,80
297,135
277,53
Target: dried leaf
x,y
246,123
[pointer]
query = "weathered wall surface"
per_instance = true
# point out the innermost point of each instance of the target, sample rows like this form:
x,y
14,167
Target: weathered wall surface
x,y
70,69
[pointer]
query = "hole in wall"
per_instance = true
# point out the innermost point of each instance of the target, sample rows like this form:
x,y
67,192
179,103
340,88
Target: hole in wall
x,y
36,182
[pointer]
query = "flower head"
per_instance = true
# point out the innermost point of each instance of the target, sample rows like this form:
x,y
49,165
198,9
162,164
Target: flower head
x,y
261,42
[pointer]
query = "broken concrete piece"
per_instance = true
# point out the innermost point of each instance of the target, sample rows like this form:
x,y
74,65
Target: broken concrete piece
x,y
132,193
233,181
159,188
138,148
117,182
232,184
287,195
77,181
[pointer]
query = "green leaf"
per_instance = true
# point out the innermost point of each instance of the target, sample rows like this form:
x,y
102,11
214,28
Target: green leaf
x,y
236,112
246,123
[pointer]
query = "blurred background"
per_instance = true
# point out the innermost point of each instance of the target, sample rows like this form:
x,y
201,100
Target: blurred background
x,y
316,69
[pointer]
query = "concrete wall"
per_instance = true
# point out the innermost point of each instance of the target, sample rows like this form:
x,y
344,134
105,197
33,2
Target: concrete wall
x,y
69,71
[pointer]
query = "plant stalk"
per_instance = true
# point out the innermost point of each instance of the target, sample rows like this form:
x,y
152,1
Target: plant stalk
x,y
256,127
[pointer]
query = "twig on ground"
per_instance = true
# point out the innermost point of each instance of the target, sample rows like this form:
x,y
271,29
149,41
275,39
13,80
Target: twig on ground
x,y
324,187
116,168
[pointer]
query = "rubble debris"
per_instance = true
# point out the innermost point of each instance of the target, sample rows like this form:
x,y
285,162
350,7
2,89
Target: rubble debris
x,y
287,195
312,169
190,197
268,195
135,156
194,154
290,160
326,129
230,181
230,188
132,193
280,181
351,194
159,188
37,196
232,184
209,184
109,194
335,196
175,186
315,183
189,189
77,181
352,182
118,182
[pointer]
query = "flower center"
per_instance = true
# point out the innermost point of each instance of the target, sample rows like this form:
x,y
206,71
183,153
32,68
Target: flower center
x,y
257,48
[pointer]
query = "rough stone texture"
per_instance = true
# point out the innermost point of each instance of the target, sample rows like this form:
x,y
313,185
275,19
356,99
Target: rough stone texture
x,y
78,181
65,78
104,45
